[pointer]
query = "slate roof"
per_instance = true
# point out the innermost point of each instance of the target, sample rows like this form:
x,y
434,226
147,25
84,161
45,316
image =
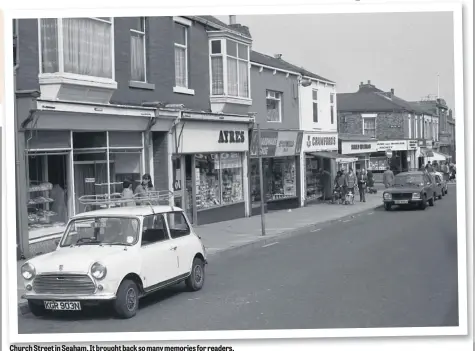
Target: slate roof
x,y
271,61
235,27
371,99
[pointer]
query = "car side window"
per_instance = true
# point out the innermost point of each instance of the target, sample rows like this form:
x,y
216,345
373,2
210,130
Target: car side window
x,y
177,225
154,230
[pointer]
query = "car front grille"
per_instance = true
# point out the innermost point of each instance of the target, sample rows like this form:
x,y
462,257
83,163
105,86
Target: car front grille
x,y
64,284
402,196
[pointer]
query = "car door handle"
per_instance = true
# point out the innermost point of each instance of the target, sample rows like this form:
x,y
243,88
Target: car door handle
x,y
173,248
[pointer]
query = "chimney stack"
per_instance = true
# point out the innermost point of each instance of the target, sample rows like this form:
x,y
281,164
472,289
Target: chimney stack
x,y
392,92
278,56
232,19
369,82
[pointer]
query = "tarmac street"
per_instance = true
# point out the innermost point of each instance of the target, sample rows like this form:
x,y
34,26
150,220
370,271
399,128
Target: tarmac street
x,y
373,269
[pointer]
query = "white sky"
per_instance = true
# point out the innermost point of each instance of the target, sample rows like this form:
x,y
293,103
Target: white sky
x,y
404,51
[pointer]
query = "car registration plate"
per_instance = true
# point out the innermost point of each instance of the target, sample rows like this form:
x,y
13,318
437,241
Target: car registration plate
x,y
400,202
63,305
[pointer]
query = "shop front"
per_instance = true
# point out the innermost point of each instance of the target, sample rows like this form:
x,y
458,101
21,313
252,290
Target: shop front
x,y
398,155
280,152
359,148
319,152
424,153
209,169
68,150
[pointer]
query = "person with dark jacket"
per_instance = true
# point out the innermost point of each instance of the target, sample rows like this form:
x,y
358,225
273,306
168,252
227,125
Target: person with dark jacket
x,y
388,177
362,181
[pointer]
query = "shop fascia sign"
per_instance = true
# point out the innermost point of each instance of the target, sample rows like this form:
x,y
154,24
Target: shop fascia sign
x,y
358,147
277,143
320,142
231,136
391,145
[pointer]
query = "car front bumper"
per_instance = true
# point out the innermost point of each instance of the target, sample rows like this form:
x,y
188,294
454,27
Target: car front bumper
x,y
403,202
56,297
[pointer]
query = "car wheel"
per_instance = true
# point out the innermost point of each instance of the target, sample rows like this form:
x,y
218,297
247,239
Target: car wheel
x,y
440,196
446,191
197,276
432,200
127,302
37,308
387,207
423,204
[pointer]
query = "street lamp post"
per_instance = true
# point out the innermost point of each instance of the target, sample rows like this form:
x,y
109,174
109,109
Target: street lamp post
x,y
261,181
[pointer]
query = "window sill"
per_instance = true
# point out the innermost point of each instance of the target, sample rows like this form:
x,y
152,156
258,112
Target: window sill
x,y
273,121
231,100
141,85
182,90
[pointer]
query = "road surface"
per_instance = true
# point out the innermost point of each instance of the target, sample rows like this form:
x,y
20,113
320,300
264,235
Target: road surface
x,y
379,269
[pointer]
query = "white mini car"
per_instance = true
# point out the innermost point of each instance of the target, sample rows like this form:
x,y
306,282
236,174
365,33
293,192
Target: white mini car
x,y
118,255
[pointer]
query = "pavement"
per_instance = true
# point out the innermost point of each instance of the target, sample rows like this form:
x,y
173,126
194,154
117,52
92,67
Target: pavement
x,y
369,270
241,233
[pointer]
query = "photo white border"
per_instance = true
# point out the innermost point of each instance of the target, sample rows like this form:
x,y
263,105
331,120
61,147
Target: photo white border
x,y
9,178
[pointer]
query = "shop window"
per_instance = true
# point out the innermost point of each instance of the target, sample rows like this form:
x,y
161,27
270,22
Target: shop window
x,y
125,165
274,106
138,58
177,225
125,139
86,46
47,206
279,178
315,105
369,126
219,179
207,181
232,182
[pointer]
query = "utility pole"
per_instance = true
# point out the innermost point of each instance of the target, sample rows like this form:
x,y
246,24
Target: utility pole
x,y
261,181
438,85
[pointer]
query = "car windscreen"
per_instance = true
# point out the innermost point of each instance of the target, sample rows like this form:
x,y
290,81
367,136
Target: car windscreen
x,y
102,231
409,180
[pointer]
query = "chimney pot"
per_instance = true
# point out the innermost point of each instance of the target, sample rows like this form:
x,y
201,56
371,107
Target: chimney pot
x,y
369,82
392,91
232,19
278,56
361,83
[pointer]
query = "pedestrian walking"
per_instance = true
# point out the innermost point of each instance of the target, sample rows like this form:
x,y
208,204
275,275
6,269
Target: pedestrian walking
x,y
429,167
370,181
362,179
325,178
388,177
445,171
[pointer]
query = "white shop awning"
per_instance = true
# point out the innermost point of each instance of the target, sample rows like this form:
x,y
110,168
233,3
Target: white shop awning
x,y
439,156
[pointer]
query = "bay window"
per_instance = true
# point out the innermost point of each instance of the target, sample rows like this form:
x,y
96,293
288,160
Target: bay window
x,y
79,46
229,68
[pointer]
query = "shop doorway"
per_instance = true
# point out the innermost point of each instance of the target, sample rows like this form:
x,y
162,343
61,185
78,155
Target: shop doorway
x,y
188,191
90,178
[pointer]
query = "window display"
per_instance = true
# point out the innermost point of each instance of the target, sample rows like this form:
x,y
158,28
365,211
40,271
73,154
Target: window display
x,y
207,181
47,201
378,163
219,179
279,178
232,185
312,178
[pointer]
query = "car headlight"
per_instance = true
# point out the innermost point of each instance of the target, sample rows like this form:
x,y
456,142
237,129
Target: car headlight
x,y
387,196
28,271
98,271
416,195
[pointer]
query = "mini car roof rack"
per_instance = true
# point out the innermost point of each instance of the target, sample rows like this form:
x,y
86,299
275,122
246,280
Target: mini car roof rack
x,y
150,198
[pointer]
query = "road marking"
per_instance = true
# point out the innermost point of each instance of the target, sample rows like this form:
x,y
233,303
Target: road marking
x,y
370,213
271,244
315,230
347,220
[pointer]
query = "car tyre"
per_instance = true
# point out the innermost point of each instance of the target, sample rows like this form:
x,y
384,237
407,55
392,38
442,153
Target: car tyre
x,y
423,203
126,303
432,200
36,308
197,276
440,196
387,207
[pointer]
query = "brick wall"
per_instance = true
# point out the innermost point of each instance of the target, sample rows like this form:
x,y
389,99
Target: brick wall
x,y
160,160
389,125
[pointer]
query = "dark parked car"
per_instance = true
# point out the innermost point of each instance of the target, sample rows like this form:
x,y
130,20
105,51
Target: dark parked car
x,y
411,188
